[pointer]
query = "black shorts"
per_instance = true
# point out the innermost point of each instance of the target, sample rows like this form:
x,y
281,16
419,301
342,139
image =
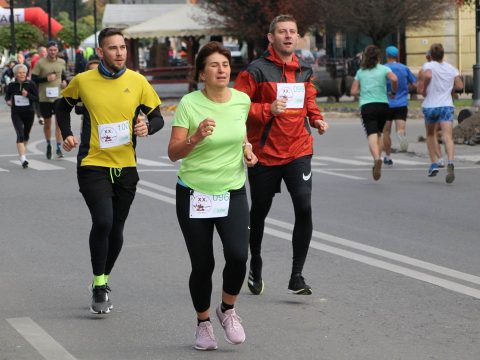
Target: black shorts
x,y
297,176
97,182
47,109
398,113
374,116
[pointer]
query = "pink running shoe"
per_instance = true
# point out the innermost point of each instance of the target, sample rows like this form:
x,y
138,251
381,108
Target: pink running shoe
x,y
231,323
204,337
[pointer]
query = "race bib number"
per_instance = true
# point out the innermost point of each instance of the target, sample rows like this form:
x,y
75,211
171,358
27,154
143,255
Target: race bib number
x,y
294,92
209,206
52,92
110,135
21,100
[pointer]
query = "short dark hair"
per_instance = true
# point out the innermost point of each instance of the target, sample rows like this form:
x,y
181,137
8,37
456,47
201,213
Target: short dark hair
x,y
211,48
107,32
92,62
437,52
371,57
280,18
52,43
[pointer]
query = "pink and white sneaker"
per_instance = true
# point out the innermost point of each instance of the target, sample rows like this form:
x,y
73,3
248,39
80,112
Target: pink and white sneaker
x,y
204,337
231,323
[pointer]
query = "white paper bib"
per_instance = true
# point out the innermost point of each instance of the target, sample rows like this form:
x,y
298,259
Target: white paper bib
x,y
21,100
209,206
115,134
294,92
52,92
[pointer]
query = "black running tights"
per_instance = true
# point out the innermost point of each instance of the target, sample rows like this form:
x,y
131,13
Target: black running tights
x,y
106,235
198,234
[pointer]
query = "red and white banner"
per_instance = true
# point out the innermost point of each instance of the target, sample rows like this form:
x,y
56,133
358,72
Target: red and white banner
x,y
34,15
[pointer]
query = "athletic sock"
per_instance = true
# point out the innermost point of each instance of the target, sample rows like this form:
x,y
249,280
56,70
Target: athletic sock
x,y
200,321
58,146
450,162
98,280
23,158
224,307
48,142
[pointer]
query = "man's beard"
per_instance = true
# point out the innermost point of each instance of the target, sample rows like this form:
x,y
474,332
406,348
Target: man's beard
x,y
113,67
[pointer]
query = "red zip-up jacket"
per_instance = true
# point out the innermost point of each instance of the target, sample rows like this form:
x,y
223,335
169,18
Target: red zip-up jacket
x,y
278,140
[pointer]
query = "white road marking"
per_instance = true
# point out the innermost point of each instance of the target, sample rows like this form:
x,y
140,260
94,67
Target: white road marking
x,y
39,165
415,274
475,158
40,339
337,174
72,159
447,284
384,253
147,162
5,170
157,187
342,161
318,163
397,160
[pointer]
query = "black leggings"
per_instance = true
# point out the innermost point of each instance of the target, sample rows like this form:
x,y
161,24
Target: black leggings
x,y
109,204
198,234
264,183
22,122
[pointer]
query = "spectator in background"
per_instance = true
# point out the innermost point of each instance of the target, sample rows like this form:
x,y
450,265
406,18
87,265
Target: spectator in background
x,y
42,53
80,62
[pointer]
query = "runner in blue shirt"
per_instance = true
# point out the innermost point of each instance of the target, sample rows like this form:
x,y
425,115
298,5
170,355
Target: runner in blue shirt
x,y
398,104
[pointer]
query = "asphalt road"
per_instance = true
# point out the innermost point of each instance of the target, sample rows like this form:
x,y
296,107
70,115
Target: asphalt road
x,y
393,264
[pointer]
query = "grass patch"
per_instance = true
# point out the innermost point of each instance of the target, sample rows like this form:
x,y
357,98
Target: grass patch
x,y
413,104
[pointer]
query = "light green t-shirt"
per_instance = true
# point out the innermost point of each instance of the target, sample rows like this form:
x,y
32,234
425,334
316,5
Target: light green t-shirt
x,y
215,165
373,84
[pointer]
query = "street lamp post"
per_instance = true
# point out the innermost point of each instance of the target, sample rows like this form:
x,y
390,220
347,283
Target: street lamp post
x,y
75,35
476,67
13,49
95,22
49,9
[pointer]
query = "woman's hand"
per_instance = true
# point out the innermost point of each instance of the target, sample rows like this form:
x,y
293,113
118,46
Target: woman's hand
x,y
250,158
205,128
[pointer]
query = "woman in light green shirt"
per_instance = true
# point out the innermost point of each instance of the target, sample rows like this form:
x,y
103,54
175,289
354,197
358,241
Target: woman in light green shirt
x,y
371,84
209,135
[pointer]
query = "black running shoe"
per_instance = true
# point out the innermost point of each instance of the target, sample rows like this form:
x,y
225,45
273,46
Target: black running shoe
x,y
49,151
450,174
100,303
109,301
255,284
59,154
298,286
25,164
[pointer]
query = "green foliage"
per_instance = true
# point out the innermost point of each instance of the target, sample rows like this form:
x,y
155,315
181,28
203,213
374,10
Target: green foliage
x,y
84,29
27,36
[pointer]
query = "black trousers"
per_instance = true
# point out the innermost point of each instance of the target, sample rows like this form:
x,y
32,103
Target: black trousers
x,y
265,182
198,234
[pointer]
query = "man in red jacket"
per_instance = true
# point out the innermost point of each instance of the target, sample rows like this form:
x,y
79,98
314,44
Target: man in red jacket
x,y
282,112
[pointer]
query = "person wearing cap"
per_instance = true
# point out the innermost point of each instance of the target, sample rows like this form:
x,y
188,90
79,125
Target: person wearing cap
x,y
398,104
439,80
49,75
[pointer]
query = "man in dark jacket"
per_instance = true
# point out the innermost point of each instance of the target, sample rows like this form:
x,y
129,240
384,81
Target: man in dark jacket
x,y
283,110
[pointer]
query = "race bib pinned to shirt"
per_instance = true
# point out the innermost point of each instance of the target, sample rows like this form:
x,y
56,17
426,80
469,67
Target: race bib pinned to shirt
x,y
203,206
52,92
115,134
293,92
21,100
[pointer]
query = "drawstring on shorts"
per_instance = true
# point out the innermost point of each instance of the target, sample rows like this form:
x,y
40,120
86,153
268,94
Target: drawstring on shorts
x,y
115,172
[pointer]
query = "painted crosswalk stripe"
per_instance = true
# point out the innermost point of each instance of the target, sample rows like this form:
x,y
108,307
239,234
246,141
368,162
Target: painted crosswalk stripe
x,y
397,161
341,161
352,177
40,339
38,165
147,162
318,163
6,169
72,159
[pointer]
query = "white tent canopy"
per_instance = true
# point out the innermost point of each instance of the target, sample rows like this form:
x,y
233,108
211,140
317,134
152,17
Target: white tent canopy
x,y
89,41
186,20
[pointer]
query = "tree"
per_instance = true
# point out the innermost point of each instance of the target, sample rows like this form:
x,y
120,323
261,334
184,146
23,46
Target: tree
x,y
84,28
249,20
380,18
27,36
